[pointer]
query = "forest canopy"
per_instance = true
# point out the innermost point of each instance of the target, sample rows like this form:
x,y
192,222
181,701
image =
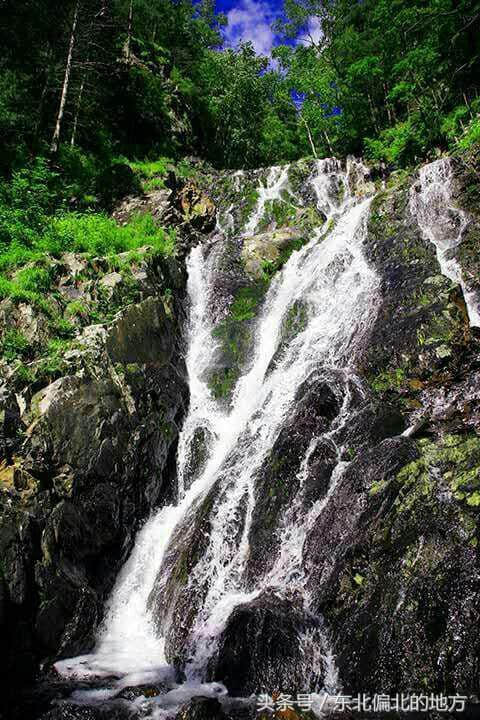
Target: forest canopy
x,y
394,80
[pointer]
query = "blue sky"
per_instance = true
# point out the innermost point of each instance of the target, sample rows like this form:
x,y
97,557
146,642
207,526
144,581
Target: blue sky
x,y
251,20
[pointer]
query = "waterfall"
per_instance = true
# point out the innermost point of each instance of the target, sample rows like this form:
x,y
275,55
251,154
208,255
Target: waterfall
x,y
276,182
443,225
338,289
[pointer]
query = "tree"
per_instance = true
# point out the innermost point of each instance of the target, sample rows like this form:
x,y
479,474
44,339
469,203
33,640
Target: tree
x,y
66,81
396,68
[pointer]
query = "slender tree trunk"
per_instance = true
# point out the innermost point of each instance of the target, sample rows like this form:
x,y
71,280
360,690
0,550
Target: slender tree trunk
x,y
309,134
387,104
328,142
66,83
40,107
77,112
129,32
372,113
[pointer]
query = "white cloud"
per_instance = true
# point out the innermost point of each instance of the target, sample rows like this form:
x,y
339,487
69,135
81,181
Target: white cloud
x,y
313,34
251,21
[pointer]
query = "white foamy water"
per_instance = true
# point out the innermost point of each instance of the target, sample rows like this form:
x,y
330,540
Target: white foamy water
x,y
443,224
338,289
277,181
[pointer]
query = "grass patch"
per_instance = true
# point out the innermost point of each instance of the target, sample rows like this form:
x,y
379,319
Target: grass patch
x,y
93,233
14,345
152,173
98,234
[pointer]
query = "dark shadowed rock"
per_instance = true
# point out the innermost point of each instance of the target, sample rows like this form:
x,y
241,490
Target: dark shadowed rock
x,y
317,404
115,182
201,708
91,455
198,455
260,649
147,691
390,558
112,711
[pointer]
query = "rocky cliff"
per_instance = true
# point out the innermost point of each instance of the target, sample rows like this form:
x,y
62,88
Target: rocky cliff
x,y
329,463
90,417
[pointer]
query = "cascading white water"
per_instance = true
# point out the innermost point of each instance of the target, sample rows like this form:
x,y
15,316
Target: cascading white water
x,y
334,280
443,224
331,278
277,181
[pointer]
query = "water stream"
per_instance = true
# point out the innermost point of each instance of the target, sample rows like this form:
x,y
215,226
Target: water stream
x,y
443,224
339,292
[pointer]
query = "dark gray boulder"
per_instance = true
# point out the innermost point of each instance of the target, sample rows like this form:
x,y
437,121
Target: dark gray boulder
x,y
260,651
201,708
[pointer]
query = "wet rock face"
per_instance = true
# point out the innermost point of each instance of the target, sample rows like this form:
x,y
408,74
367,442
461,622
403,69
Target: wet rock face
x,y
87,455
394,553
267,248
407,562
421,333
390,559
176,597
390,548
277,482
77,712
259,650
198,455
201,708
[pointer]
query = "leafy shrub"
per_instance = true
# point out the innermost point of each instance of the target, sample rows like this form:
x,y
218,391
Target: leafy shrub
x,y
14,345
79,175
98,234
34,279
471,136
76,308
152,174
26,203
92,233
33,192
401,144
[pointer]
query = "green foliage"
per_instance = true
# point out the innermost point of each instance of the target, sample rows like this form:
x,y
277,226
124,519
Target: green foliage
x,y
248,117
388,381
98,234
25,204
62,327
234,334
400,145
153,173
397,80
24,375
281,212
471,136
75,309
92,233
222,382
455,461
246,301
34,279
14,345
52,364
